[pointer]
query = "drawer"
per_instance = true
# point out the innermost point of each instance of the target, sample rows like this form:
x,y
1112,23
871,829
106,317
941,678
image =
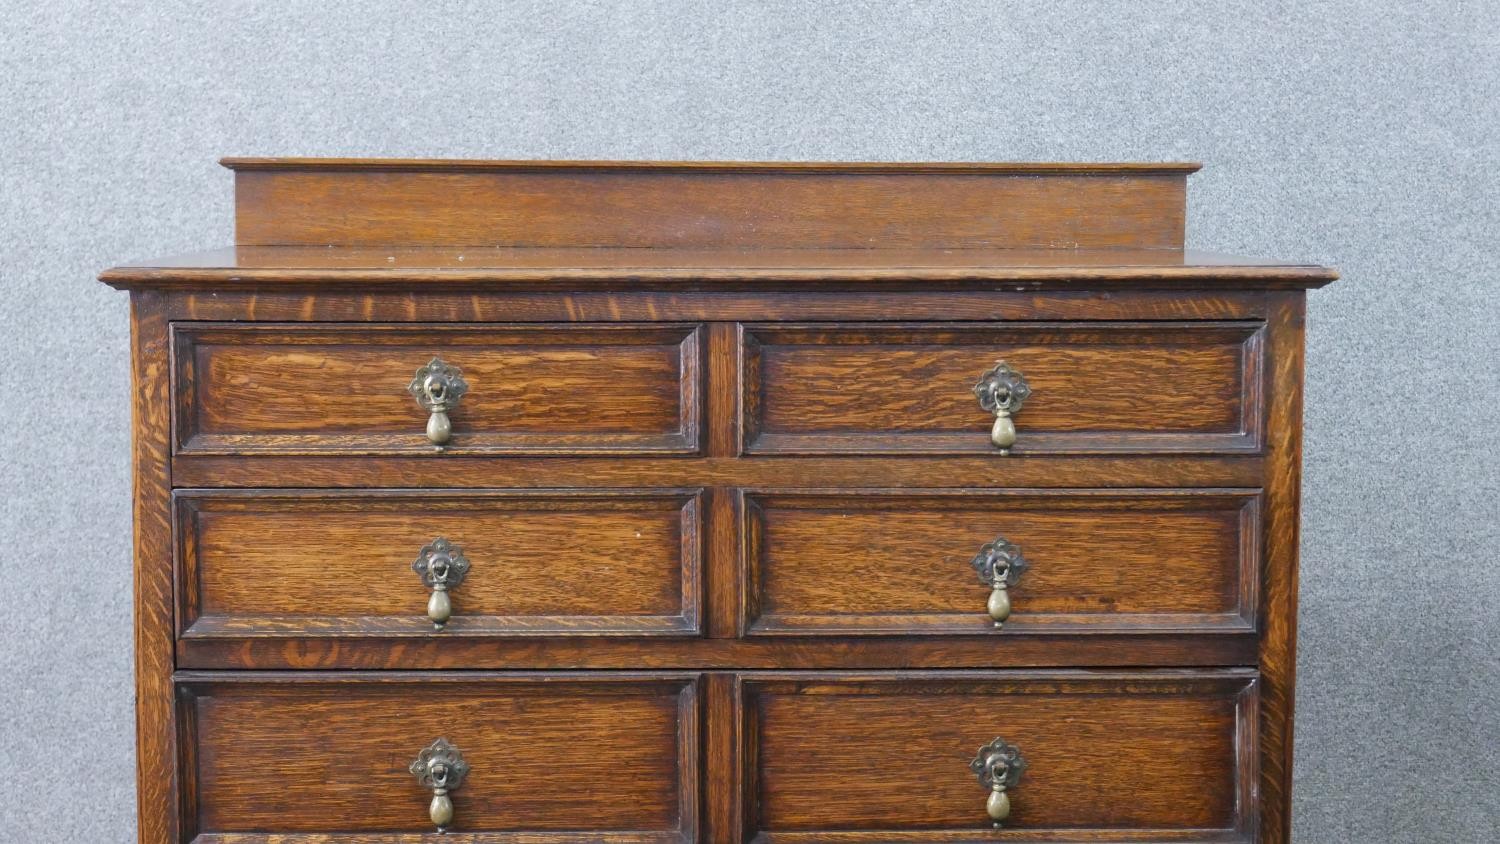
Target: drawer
x,y
839,562
302,563
1147,756
531,389
910,388
315,758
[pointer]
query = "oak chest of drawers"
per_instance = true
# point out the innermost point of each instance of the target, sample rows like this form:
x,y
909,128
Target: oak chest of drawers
x,y
567,502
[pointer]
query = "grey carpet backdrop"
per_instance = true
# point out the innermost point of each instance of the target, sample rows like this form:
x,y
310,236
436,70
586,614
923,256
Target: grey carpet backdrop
x,y
1361,134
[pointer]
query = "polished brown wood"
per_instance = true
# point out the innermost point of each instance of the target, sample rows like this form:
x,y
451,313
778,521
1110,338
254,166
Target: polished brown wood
x,y
1161,470
606,204
1142,647
834,562
319,563
718,306
1278,645
292,389
557,758
908,388
720,475
384,270
158,791
886,757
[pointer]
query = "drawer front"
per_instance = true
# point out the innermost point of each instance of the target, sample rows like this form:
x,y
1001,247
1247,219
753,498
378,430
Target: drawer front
x,y
842,562
551,758
1160,756
536,563
531,389
910,389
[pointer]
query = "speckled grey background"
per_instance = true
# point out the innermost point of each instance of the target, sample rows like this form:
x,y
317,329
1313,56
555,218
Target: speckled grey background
x,y
1361,134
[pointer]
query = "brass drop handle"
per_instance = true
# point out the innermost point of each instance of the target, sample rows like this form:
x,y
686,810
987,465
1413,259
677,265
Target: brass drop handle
x,y
998,766
442,566
1002,391
437,387
999,565
441,768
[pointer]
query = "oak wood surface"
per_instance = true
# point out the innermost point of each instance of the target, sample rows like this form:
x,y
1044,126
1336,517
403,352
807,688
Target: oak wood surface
x,y
479,268
1278,645
432,470
324,563
572,836
668,205
1030,836
1141,647
1102,387
290,388
558,754
158,789
384,264
880,561
734,480
394,261
887,755
1034,168
1191,280
257,304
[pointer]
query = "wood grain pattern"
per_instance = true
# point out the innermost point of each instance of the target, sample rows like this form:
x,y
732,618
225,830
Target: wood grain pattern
x,y
570,837
1125,387
457,471
380,270
459,165
859,562
291,389
723,819
720,474
518,204
1031,836
1189,280
717,306
328,755
158,790
395,260
1017,649
317,563
1278,644
723,578
885,757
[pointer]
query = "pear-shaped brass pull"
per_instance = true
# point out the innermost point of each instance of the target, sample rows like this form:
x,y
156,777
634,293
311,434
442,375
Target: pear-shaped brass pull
x,y
1002,391
441,768
999,565
998,766
442,566
437,387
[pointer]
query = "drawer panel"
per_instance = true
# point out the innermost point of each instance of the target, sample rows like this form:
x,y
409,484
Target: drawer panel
x,y
302,563
909,388
1158,756
552,758
842,562
533,389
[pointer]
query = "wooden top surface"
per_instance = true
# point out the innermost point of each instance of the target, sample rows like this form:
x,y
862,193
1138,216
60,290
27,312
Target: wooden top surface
x,y
425,266
767,167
